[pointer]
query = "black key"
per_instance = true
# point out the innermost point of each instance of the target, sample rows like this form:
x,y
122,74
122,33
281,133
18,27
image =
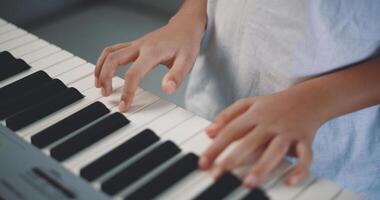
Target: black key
x,y
27,83
119,155
221,188
5,57
31,98
167,178
256,194
12,68
89,136
43,109
133,172
68,125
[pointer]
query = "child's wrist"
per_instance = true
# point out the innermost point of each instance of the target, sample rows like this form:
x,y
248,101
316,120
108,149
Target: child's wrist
x,y
315,100
190,19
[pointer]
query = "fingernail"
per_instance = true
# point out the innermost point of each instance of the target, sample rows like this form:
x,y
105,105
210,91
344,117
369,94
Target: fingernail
x,y
103,91
203,162
122,106
211,128
251,181
170,86
210,135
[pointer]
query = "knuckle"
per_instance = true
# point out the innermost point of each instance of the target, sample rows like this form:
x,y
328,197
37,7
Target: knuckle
x,y
111,58
107,50
150,50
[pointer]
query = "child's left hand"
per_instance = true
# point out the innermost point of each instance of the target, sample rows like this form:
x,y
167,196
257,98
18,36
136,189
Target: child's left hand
x,y
269,127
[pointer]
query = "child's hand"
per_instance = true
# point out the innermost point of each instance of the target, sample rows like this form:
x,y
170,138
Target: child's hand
x,y
175,45
269,127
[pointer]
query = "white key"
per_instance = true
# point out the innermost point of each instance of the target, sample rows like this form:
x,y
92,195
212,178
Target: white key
x,y
347,195
281,191
137,120
168,121
144,99
77,73
198,144
6,28
84,83
2,22
27,48
189,129
40,53
11,35
17,42
51,60
64,66
320,189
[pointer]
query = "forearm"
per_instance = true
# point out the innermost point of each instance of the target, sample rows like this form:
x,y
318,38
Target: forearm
x,y
345,91
193,13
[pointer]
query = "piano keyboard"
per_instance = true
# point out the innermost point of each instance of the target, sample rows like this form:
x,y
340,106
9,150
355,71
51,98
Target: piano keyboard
x,y
60,139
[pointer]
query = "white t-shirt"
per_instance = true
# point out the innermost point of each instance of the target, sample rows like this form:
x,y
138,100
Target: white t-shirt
x,y
256,47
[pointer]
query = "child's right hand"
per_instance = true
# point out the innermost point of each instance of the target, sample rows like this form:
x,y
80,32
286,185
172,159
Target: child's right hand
x,y
174,45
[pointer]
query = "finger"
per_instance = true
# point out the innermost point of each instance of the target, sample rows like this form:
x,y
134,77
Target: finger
x,y
102,58
112,62
181,67
270,159
133,76
247,151
301,169
227,115
232,132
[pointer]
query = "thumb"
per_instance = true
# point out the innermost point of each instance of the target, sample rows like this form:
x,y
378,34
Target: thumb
x,y
173,79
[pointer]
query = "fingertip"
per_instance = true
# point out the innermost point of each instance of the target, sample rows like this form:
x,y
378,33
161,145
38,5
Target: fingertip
x,y
210,135
251,181
103,91
212,128
169,86
204,162
123,106
293,180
